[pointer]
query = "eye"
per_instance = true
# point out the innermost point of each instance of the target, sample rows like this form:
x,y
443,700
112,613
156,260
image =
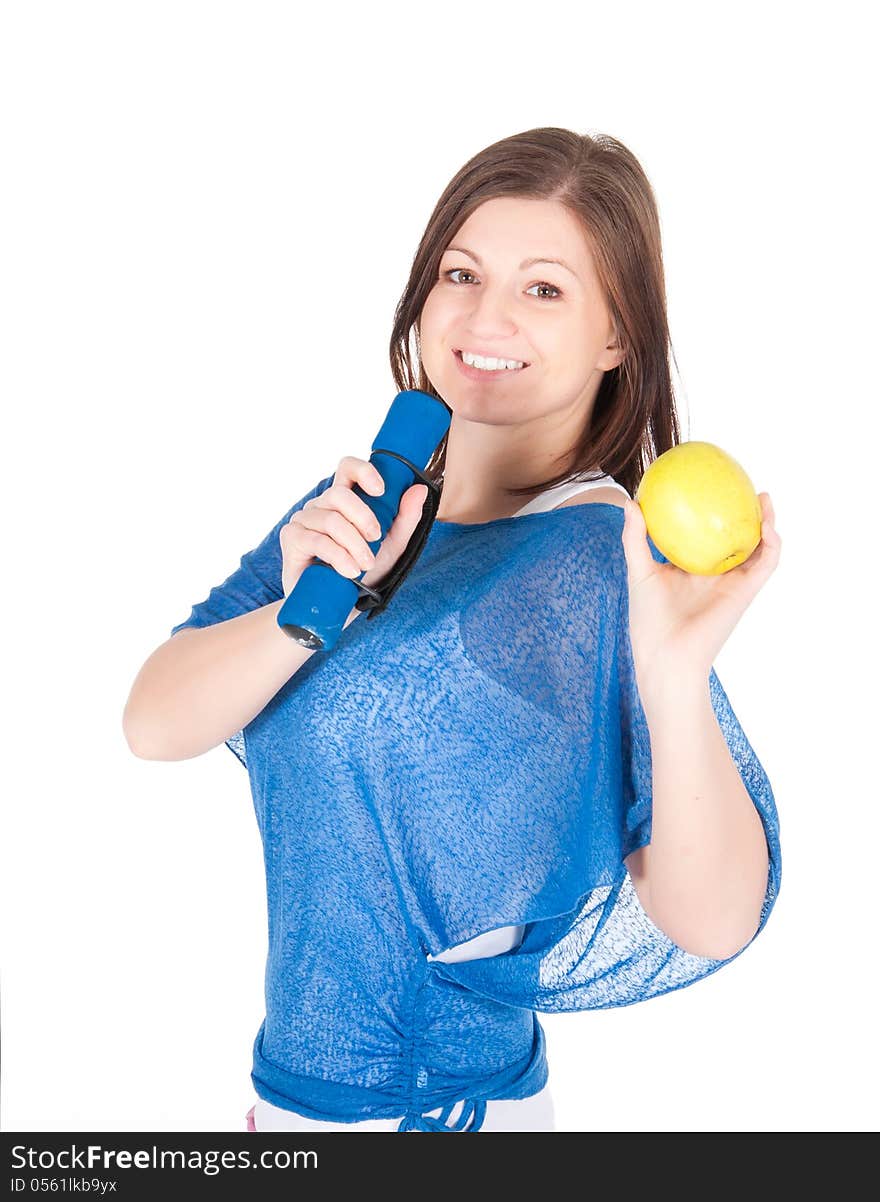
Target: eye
x,y
455,270
553,286
449,274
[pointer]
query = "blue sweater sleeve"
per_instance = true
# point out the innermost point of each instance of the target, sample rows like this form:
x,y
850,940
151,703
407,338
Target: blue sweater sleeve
x,y
255,583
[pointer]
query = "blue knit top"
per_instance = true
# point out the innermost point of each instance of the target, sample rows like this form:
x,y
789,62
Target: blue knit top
x,y
474,757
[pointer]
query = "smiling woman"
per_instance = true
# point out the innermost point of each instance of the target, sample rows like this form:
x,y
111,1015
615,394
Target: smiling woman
x,y
453,802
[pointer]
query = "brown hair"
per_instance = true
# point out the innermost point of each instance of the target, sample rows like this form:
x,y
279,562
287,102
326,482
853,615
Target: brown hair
x,y
602,183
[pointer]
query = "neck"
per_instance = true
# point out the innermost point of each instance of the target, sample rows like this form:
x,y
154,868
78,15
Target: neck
x,y
483,461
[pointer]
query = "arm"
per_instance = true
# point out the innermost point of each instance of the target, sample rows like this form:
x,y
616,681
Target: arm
x,y
703,877
220,668
707,869
202,685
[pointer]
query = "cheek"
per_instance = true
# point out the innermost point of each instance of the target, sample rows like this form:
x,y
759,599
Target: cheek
x,y
568,347
435,313
432,326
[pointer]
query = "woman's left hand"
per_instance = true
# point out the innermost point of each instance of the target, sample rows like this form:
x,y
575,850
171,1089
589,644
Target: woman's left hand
x,y
679,621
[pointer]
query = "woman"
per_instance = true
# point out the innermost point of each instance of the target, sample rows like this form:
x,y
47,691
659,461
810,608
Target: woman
x,y
483,805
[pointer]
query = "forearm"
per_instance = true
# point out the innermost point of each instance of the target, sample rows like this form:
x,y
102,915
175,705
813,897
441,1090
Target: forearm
x,y
707,862
204,684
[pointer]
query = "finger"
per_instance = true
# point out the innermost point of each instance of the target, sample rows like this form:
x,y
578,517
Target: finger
x,y
350,525
409,514
351,471
332,537
763,560
402,528
753,573
419,494
340,497
768,519
768,524
640,561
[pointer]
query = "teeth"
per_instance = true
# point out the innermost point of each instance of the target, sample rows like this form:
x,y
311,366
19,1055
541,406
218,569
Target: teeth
x,y
490,364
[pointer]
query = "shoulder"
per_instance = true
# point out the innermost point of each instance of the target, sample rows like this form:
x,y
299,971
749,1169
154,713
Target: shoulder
x,y
611,496
603,548
595,554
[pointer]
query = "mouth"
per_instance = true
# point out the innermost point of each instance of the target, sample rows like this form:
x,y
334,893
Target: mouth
x,y
479,373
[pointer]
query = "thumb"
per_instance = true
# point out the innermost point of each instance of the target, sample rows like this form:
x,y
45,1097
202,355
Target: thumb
x,y
401,530
640,561
416,495
408,514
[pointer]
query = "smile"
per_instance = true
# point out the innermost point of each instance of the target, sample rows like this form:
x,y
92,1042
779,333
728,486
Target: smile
x,y
478,367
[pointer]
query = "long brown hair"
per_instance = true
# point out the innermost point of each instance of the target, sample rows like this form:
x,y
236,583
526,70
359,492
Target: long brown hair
x,y
602,183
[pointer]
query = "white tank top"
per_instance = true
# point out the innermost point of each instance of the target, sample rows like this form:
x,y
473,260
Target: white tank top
x,y
268,1117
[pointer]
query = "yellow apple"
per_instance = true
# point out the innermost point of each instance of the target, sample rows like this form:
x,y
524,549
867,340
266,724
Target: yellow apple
x,y
700,508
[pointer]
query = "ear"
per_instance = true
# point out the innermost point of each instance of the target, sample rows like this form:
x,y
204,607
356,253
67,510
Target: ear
x,y
612,356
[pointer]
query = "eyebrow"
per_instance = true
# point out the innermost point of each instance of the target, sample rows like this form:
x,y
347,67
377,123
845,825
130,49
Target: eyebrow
x,y
525,263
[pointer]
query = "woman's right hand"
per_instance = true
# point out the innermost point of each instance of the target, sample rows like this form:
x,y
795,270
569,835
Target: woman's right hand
x,y
337,527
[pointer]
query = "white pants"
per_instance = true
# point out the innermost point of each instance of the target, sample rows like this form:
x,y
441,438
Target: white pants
x,y
534,1113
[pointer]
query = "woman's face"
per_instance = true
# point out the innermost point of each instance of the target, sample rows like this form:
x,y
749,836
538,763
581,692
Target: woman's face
x,y
551,317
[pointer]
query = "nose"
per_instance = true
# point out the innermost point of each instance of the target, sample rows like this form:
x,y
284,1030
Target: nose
x,y
491,322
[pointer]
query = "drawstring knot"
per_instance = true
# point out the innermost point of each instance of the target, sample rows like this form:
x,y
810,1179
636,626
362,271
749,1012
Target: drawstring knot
x,y
473,1108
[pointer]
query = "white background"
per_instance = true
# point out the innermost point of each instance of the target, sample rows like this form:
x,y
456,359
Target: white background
x,y
209,211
